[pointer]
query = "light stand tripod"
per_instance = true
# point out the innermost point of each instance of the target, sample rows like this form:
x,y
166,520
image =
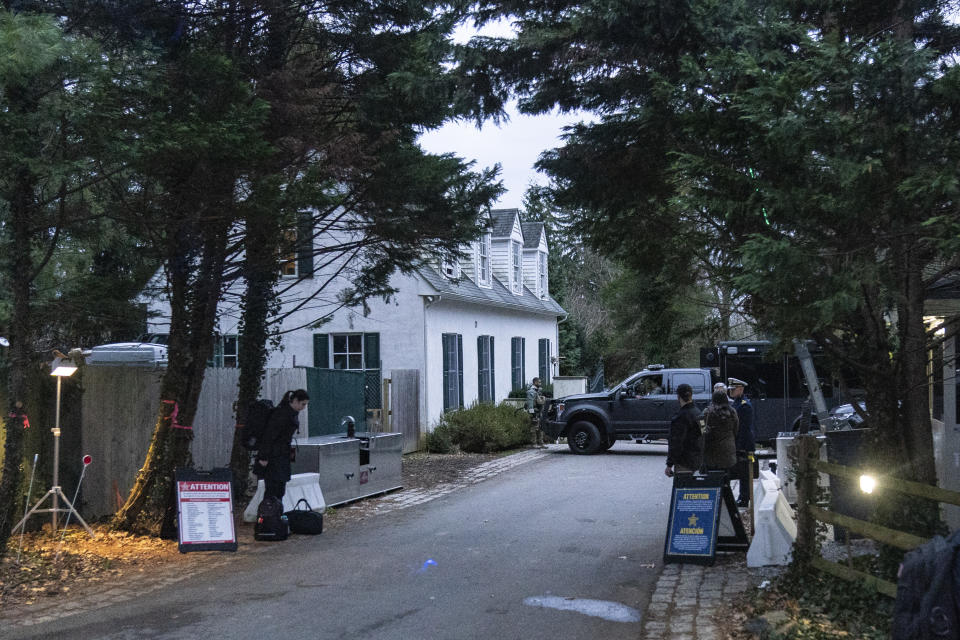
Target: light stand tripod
x,y
60,370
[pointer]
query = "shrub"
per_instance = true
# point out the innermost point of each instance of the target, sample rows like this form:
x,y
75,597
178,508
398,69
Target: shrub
x,y
484,428
519,393
439,440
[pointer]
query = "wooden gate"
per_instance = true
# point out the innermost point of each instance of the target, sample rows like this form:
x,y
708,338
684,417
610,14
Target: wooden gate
x,y
405,406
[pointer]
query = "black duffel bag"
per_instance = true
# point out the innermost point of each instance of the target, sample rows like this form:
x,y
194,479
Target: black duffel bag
x,y
304,521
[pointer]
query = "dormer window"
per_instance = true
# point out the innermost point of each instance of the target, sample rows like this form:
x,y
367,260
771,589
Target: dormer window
x,y
542,273
517,266
483,259
450,266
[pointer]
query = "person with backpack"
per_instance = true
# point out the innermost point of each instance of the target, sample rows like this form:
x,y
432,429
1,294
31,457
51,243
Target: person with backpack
x,y
535,402
274,447
720,434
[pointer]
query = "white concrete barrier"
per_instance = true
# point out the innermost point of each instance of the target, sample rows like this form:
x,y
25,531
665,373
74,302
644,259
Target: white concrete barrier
x,y
774,524
301,485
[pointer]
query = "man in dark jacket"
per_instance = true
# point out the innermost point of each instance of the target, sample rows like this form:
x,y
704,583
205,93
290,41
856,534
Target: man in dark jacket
x,y
745,443
685,447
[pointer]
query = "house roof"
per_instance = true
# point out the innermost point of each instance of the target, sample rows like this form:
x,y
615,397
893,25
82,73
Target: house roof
x,y
466,290
531,234
503,221
946,288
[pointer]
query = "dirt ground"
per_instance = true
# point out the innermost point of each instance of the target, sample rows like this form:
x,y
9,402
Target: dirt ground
x,y
39,565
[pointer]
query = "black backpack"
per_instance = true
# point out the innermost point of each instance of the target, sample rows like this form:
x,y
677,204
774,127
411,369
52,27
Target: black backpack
x,y
928,602
255,423
272,524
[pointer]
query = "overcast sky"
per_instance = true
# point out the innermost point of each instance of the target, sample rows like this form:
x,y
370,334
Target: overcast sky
x,y
515,144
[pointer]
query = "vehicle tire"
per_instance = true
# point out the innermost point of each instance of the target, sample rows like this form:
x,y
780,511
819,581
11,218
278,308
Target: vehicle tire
x,y
609,444
584,438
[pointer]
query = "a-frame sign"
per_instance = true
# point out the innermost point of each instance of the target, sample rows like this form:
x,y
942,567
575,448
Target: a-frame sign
x,y
703,519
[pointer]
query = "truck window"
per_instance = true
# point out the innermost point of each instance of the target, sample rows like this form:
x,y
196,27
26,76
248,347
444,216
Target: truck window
x,y
694,379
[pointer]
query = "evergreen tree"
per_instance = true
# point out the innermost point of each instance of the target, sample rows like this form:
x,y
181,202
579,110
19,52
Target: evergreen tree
x,y
814,144
52,85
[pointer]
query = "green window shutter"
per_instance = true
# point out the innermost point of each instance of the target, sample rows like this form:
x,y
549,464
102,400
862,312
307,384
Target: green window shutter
x,y
516,363
321,351
460,368
305,245
543,348
481,362
371,351
493,390
446,372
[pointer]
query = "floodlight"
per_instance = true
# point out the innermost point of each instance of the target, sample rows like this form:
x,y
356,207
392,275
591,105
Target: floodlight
x,y
867,483
61,367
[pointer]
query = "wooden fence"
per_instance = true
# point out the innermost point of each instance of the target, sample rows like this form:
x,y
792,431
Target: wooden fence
x,y
119,409
809,513
402,415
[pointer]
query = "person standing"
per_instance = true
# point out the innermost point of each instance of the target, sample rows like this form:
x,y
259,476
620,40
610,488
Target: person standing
x,y
275,452
745,442
685,445
534,406
720,434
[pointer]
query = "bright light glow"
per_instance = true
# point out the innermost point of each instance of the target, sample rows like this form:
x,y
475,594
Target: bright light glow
x,y
64,370
868,483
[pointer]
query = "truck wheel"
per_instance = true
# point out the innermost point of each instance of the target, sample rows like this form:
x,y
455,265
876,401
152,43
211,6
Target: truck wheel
x,y
609,443
584,438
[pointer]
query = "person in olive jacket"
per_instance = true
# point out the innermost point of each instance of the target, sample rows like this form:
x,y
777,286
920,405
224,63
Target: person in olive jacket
x,y
685,445
273,457
720,434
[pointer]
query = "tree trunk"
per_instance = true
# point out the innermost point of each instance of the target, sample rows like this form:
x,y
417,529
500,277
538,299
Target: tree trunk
x,y
21,347
150,508
260,275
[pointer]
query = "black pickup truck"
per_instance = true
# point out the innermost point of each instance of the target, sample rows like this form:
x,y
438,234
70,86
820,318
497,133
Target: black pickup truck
x,y
639,409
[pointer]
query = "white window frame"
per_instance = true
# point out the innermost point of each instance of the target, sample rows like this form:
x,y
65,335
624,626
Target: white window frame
x,y
542,273
450,266
347,353
289,262
517,258
484,249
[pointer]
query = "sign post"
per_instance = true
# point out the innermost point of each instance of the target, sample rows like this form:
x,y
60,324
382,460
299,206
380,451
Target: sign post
x,y
205,510
697,504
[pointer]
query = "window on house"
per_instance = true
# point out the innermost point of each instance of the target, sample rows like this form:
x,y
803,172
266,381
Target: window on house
x,y
517,362
486,391
517,266
450,266
483,259
542,273
937,383
296,249
288,253
452,371
351,351
225,352
347,351
543,347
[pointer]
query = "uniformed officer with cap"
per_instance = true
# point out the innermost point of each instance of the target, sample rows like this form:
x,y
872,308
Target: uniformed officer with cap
x,y
745,443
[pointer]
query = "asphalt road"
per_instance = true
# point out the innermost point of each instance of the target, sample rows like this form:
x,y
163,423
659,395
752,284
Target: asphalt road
x,y
562,547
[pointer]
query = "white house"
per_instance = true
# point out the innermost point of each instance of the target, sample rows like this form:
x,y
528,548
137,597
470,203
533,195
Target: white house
x,y
474,327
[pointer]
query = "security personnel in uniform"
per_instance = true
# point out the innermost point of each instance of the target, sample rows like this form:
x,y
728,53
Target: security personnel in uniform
x,y
535,401
745,443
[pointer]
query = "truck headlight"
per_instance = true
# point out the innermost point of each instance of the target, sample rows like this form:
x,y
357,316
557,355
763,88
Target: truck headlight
x,y
559,409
